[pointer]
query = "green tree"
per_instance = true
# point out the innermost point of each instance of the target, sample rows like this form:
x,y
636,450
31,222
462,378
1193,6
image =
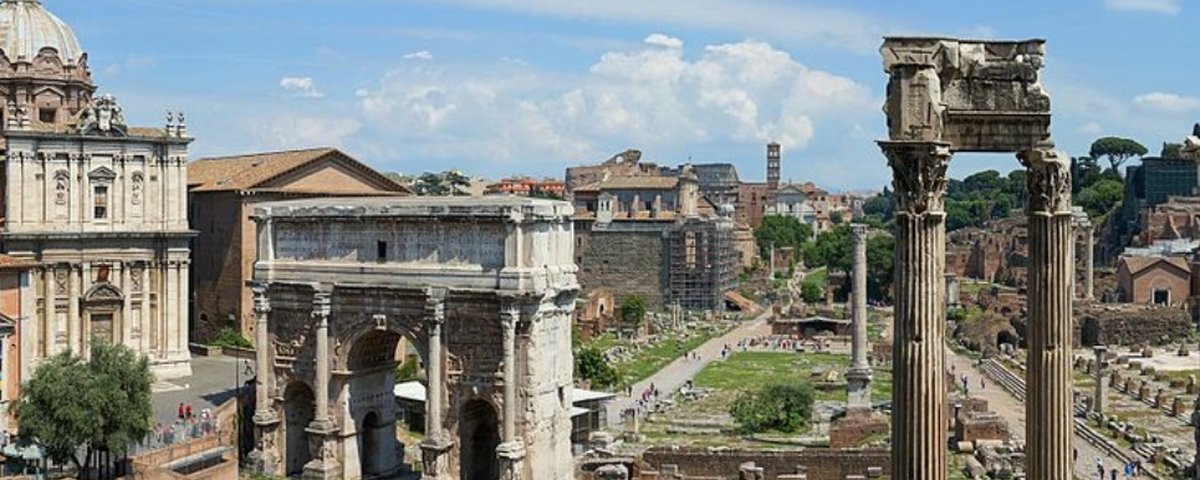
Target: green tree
x,y
881,251
1171,150
831,249
811,292
633,311
881,205
70,406
409,370
591,365
1102,197
785,408
781,231
1116,150
443,184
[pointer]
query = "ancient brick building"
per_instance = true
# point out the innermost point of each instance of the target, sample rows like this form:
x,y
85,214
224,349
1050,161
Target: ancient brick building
x,y
655,236
1154,280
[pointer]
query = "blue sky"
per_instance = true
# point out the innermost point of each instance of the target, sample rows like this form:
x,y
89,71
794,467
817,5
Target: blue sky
x,y
495,87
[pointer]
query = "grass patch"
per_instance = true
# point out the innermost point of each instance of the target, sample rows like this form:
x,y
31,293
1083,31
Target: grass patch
x,y
817,277
746,370
652,359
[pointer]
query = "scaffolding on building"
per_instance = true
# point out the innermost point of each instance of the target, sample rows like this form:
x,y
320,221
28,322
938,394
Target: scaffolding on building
x,y
702,264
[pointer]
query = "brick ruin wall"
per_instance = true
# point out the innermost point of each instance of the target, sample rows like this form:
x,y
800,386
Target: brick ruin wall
x,y
1159,326
821,463
625,263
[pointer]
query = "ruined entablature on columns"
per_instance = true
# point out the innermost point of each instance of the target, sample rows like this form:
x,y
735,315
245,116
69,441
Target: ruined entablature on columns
x,y
982,96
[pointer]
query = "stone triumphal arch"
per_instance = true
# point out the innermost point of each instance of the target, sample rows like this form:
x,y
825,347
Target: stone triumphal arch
x,y
945,96
484,289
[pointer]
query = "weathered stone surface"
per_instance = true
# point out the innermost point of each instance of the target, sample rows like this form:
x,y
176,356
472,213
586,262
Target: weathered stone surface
x,y
818,464
344,280
976,95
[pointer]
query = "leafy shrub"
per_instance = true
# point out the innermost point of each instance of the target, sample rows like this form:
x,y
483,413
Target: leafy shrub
x,y
779,407
230,338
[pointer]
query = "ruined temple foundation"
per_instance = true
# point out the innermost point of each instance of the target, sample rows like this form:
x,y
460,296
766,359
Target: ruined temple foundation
x,y
1049,411
919,419
858,377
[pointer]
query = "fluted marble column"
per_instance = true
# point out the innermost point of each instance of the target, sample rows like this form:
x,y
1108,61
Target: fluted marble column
x,y
858,377
323,464
1049,423
512,451
437,442
919,419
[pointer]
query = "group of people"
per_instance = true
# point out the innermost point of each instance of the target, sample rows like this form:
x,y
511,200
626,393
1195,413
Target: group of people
x,y
647,399
187,425
1131,470
965,382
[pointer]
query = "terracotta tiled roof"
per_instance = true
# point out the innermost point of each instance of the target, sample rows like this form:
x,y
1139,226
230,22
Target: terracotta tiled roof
x,y
632,183
1138,264
246,172
10,262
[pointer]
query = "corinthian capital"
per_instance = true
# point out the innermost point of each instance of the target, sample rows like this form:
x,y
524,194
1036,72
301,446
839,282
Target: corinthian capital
x,y
1048,180
859,231
262,302
435,305
919,173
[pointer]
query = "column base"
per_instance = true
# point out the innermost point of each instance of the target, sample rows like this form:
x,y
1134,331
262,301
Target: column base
x,y
433,457
265,418
321,470
512,458
262,462
324,464
265,458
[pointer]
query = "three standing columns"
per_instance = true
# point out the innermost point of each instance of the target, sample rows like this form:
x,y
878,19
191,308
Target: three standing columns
x,y
1048,413
920,420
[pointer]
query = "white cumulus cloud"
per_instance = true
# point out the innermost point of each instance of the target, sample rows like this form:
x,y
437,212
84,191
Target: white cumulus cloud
x,y
1167,102
652,97
422,55
301,86
664,41
1169,7
294,131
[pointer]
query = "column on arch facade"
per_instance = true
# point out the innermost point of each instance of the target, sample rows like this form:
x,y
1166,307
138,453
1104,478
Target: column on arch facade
x,y
511,452
437,442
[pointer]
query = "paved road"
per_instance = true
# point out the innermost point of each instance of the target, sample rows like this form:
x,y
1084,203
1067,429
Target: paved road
x,y
672,377
1009,408
212,383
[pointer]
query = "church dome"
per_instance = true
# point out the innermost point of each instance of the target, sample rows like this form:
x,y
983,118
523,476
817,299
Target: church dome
x,y
26,28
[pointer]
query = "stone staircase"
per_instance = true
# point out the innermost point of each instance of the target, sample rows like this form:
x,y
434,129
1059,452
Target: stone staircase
x,y
1015,385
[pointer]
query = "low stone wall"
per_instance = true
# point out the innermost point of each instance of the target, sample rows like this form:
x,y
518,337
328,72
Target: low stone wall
x,y
152,465
854,430
819,464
